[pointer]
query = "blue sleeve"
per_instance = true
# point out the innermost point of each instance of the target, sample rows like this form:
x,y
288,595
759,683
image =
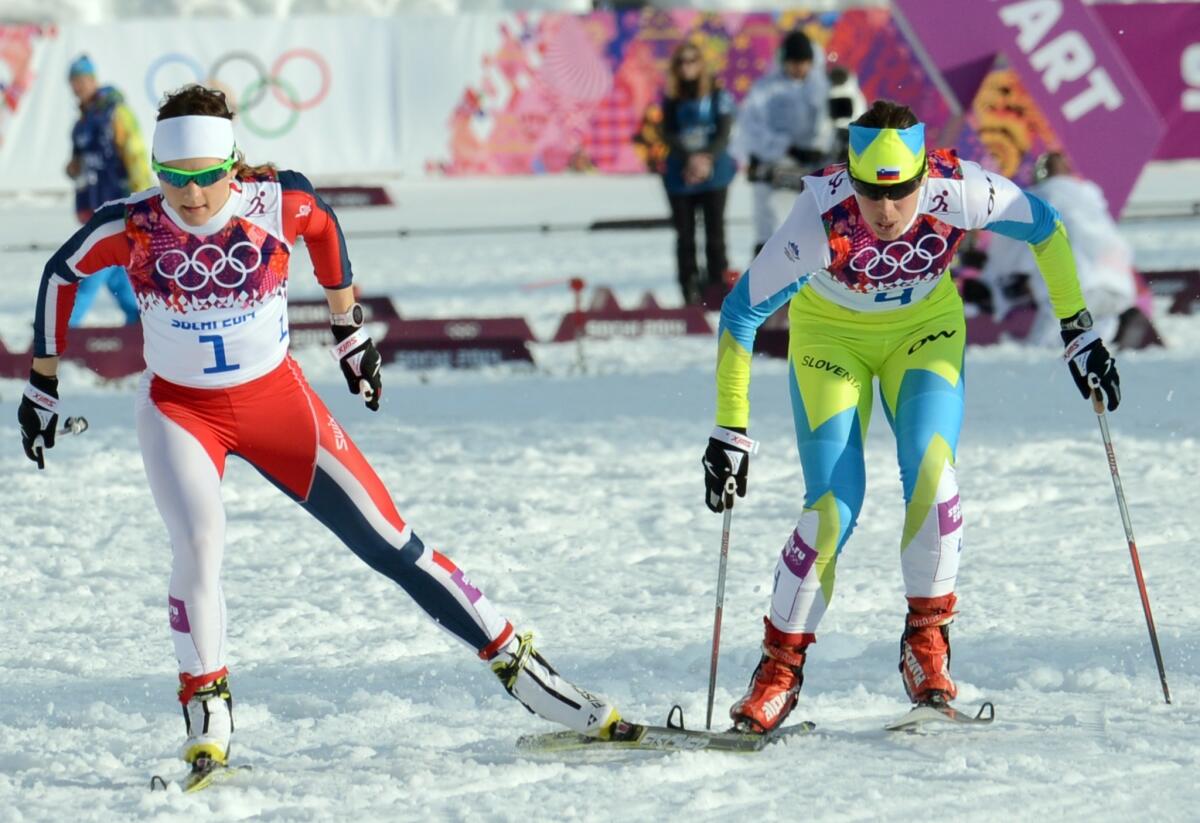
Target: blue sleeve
x,y
742,320
1041,225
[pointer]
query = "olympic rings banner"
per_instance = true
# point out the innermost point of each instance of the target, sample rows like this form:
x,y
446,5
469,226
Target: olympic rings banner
x,y
315,94
245,77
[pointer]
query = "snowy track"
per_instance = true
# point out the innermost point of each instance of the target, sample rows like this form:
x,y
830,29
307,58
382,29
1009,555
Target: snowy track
x,y
574,501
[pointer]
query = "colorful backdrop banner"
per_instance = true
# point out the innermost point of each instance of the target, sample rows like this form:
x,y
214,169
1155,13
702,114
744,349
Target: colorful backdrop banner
x,y
1067,63
564,92
1161,42
17,45
528,93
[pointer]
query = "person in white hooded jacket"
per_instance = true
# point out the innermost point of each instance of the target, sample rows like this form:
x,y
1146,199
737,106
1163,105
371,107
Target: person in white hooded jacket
x,y
1103,258
784,120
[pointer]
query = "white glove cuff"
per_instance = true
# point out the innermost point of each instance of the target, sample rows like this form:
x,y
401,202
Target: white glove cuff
x,y
46,401
736,439
1080,343
350,343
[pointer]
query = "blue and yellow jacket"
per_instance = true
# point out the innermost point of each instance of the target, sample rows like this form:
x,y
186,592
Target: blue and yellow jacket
x,y
110,151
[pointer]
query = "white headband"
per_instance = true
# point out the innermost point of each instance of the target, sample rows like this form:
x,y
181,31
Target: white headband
x,y
182,138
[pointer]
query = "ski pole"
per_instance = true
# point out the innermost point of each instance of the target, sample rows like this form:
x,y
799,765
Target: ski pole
x,y
730,489
72,425
1098,406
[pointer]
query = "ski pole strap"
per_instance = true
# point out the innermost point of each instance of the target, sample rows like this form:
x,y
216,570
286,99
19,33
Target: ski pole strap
x,y
736,439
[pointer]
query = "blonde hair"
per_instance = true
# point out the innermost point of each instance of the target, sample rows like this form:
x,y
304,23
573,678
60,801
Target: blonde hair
x,y
706,83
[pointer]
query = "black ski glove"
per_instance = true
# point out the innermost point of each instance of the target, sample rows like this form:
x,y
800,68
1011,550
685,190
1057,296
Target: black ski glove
x,y
727,455
360,361
1089,361
38,416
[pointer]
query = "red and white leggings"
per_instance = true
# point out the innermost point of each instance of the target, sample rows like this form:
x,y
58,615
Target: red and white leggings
x,y
279,425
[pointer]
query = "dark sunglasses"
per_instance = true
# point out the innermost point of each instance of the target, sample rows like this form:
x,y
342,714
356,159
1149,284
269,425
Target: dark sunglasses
x,y
873,191
179,178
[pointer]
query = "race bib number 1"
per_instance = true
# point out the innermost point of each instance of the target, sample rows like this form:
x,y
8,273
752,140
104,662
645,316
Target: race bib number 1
x,y
218,344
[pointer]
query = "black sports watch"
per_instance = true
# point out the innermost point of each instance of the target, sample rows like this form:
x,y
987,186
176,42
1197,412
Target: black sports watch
x,y
352,317
1080,322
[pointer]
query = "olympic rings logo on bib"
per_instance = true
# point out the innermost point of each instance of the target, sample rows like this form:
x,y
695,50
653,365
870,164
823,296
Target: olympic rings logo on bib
x,y
879,264
248,83
209,263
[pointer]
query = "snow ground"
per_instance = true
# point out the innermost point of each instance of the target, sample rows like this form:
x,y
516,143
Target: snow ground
x,y
574,501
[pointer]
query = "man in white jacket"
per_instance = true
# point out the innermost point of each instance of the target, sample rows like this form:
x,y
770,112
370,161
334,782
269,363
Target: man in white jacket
x,y
784,120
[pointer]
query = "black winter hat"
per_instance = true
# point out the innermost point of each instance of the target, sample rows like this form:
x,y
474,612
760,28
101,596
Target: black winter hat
x,y
796,47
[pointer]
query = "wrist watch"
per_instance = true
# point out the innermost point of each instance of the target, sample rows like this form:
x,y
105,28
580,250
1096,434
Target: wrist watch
x,y
1080,322
351,317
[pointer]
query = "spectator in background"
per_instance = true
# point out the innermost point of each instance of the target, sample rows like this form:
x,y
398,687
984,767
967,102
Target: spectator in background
x,y
784,122
108,162
1103,259
697,119
846,104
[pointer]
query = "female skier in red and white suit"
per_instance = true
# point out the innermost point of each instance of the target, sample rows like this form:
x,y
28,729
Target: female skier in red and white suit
x,y
207,254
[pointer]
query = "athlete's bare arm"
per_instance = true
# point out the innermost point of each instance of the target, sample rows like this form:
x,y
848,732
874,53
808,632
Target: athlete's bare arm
x,y
340,300
47,366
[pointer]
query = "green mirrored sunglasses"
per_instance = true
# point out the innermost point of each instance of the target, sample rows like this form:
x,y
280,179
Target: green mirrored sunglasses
x,y
179,178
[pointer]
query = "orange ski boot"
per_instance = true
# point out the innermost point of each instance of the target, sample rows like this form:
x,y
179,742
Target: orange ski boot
x,y
925,649
775,685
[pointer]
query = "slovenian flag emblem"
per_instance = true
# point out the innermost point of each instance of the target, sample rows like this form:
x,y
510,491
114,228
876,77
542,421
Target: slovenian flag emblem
x,y
887,173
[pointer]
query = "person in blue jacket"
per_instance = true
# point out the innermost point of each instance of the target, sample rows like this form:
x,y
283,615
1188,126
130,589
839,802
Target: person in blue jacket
x,y
108,162
697,119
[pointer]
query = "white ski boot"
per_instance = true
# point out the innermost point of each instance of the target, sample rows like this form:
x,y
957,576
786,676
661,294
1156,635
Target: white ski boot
x,y
528,677
208,713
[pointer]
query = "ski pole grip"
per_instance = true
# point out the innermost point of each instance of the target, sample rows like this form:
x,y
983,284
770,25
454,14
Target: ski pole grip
x,y
74,425
1097,397
730,489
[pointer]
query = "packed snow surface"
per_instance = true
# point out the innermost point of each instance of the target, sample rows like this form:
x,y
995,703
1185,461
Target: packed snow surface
x,y
573,499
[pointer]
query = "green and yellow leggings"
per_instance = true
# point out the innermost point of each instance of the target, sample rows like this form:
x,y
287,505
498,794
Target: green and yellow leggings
x,y
835,356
